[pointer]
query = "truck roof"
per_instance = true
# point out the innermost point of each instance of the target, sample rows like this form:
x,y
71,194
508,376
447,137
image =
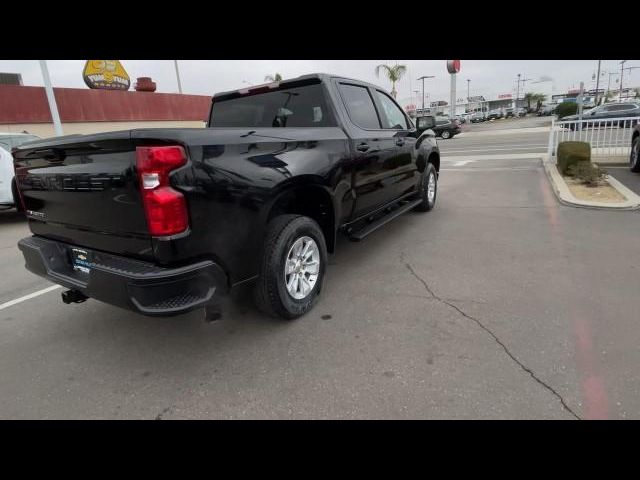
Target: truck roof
x,y
323,77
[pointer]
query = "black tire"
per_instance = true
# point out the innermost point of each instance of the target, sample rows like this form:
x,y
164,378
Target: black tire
x,y
634,158
271,293
427,205
445,134
16,196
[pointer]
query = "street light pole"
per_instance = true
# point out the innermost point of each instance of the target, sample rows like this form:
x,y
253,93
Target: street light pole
x,y
515,104
53,107
175,63
598,82
422,78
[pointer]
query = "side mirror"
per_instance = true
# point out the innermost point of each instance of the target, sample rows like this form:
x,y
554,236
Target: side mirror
x,y
426,123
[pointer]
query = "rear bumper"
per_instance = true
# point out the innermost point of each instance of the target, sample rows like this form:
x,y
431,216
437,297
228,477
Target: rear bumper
x,y
139,286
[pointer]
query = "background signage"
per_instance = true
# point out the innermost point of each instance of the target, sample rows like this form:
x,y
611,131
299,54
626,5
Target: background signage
x,y
453,66
106,75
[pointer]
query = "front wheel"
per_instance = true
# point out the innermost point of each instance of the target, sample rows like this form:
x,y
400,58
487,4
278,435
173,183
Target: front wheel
x,y
292,267
634,159
428,189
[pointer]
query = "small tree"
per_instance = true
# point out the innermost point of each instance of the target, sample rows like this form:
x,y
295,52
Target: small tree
x,y
394,74
273,78
566,108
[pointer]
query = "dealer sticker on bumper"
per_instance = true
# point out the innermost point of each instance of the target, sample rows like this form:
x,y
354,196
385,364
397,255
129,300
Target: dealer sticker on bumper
x,y
80,260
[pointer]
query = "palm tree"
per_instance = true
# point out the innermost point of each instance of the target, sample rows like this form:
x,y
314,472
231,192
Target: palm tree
x,y
539,98
529,97
394,74
273,78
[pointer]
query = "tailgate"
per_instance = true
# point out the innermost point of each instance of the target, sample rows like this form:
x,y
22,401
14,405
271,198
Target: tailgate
x,y
83,190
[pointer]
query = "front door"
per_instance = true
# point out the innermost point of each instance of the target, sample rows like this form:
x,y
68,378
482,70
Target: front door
x,y
399,146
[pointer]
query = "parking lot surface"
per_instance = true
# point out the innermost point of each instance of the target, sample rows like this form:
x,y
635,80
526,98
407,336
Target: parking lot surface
x,y
500,303
628,178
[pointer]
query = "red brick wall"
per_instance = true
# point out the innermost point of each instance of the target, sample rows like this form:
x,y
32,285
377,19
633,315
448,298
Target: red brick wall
x,y
19,104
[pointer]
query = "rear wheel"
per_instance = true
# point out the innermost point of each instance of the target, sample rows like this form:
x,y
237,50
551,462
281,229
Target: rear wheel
x,y
292,267
634,159
428,189
446,134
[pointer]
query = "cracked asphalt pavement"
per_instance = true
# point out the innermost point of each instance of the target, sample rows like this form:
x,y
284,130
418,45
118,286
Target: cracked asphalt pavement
x,y
499,304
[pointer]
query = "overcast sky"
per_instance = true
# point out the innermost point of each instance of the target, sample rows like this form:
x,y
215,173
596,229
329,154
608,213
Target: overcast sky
x,y
205,77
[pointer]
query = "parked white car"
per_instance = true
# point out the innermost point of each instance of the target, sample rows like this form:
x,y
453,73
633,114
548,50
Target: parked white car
x,y
8,193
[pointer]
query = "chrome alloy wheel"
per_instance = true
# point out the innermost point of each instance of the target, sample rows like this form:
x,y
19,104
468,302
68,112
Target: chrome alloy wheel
x,y
431,188
302,267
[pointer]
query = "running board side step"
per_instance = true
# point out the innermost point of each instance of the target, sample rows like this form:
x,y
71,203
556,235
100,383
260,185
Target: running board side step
x,y
376,224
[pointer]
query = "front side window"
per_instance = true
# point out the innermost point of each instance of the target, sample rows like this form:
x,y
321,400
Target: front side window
x,y
395,119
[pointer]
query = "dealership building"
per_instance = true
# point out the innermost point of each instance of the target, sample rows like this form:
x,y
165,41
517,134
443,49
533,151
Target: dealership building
x,y
94,110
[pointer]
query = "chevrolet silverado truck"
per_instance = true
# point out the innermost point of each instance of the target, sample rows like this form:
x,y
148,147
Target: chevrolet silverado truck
x,y
164,221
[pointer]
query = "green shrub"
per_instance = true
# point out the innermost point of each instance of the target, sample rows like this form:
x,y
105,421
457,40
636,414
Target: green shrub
x,y
587,172
570,153
566,108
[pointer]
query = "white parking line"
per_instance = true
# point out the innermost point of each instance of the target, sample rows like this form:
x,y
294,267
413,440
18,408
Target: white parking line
x,y
460,163
11,303
492,149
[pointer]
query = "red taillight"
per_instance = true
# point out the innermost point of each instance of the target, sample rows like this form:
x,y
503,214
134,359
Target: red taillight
x,y
165,208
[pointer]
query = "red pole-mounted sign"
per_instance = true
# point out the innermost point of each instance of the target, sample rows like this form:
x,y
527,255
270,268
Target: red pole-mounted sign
x,y
453,66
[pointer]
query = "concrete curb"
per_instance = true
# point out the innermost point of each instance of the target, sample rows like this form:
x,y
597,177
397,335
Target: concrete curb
x,y
565,196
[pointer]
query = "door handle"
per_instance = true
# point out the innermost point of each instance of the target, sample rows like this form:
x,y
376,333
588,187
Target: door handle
x,y
363,147
400,142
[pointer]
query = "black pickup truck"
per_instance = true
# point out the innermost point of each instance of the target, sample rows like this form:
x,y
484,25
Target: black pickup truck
x,y
163,221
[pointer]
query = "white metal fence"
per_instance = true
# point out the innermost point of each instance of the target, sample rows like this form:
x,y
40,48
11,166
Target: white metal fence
x,y
608,137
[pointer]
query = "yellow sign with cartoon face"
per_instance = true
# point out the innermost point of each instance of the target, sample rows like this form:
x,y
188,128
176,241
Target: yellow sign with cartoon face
x,y
106,74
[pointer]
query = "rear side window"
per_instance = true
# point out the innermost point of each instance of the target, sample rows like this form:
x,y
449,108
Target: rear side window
x,y
360,106
394,117
290,107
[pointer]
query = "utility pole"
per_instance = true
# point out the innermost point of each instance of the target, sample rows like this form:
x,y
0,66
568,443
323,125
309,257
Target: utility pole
x,y
175,63
515,104
422,78
53,107
468,96
609,84
452,108
621,75
598,82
